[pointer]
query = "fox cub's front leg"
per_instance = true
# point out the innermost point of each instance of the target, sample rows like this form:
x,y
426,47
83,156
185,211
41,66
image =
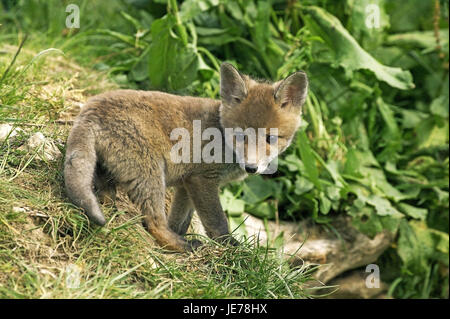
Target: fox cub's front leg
x,y
181,211
204,194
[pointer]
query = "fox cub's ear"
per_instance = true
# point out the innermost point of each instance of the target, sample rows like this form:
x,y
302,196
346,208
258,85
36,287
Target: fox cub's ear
x,y
292,90
232,85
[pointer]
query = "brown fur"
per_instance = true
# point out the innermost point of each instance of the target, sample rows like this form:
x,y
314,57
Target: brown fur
x,y
123,138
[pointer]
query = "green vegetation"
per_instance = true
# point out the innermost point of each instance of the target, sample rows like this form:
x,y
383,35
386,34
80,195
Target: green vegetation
x,y
374,144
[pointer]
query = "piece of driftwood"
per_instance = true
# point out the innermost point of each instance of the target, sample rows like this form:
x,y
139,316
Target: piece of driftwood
x,y
353,285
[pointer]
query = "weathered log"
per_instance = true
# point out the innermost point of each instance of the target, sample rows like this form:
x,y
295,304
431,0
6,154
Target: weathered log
x,y
352,285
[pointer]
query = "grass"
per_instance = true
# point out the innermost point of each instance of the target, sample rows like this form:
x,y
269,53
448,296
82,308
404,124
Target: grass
x,y
48,249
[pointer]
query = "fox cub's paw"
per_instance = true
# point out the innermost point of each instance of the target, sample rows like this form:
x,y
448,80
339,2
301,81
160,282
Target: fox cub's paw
x,y
228,240
193,244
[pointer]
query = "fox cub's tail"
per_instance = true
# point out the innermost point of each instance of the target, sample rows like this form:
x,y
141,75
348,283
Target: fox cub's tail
x,y
79,170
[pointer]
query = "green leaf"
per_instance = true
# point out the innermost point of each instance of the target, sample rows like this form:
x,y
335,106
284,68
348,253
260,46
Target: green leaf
x,y
417,244
412,118
302,185
410,249
375,179
261,32
367,221
352,163
382,206
347,51
431,239
430,134
172,65
233,206
293,163
421,39
191,8
265,209
414,212
309,160
235,10
333,192
324,204
439,106
257,189
389,119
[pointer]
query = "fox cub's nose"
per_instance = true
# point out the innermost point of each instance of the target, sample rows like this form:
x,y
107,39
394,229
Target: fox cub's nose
x,y
251,169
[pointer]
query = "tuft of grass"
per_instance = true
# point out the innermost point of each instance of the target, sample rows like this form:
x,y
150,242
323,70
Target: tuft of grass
x,y
48,249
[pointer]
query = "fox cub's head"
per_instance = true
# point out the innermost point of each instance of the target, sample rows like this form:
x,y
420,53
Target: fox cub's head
x,y
268,111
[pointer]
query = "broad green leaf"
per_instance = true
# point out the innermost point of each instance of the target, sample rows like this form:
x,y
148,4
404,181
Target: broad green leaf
x,y
367,221
324,204
418,243
265,209
414,212
308,160
439,106
409,249
352,163
421,39
190,8
204,69
412,118
333,192
432,239
389,119
375,179
172,65
293,163
430,134
257,189
302,185
234,9
391,134
261,32
382,206
233,206
347,51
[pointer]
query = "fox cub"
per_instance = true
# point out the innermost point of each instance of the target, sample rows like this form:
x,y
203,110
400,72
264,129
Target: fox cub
x,y
123,138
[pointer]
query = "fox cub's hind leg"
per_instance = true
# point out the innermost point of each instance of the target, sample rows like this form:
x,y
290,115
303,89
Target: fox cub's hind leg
x,y
148,194
105,185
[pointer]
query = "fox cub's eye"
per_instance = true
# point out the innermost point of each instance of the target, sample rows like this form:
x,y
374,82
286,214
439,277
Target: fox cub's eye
x,y
240,137
236,99
271,139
